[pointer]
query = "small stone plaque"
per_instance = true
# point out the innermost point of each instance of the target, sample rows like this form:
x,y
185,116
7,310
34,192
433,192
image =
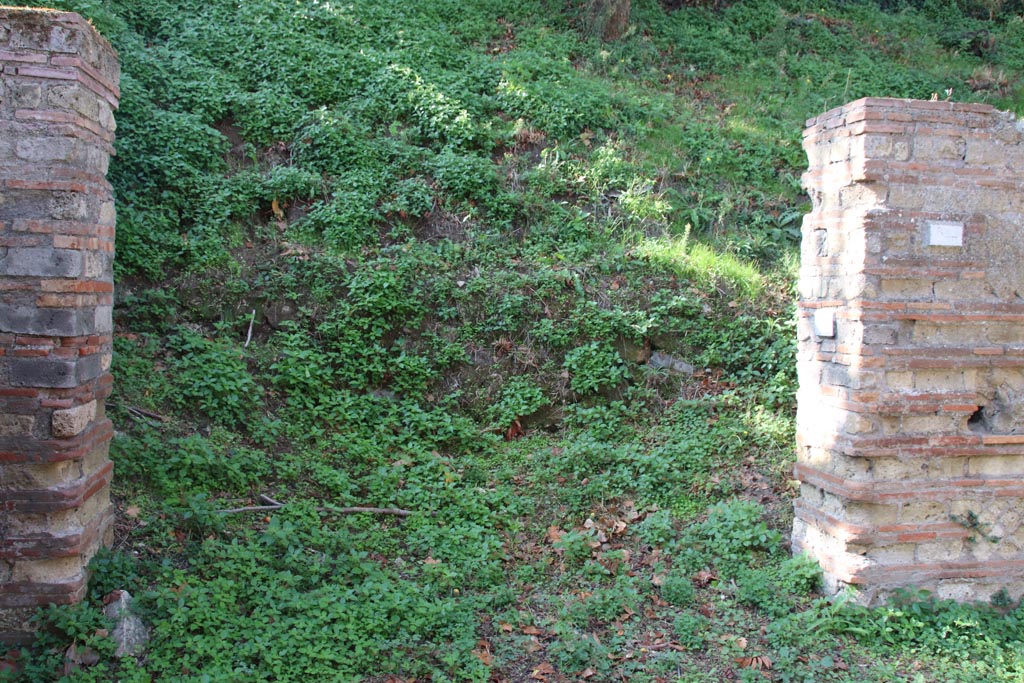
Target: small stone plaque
x,y
825,322
944,234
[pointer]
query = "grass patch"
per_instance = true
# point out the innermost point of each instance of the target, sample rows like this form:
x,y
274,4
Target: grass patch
x,y
705,266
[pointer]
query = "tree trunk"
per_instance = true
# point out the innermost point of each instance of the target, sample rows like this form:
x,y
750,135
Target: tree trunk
x,y
607,18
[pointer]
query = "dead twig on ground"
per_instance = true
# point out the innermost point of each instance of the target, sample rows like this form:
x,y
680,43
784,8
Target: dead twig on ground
x,y
250,508
379,511
272,504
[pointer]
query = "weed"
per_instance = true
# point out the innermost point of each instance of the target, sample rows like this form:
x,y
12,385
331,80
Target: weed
x,y
576,546
971,522
575,652
759,588
800,574
212,377
520,397
607,603
657,528
593,367
691,629
736,535
677,589
112,570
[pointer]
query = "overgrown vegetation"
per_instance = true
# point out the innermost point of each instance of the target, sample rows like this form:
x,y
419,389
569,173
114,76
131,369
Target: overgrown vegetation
x,y
531,288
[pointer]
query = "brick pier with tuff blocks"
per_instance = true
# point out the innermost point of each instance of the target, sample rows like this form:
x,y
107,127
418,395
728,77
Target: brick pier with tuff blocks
x,y
911,350
58,92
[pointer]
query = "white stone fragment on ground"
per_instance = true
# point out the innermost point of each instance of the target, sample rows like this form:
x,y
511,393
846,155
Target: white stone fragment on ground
x,y
130,633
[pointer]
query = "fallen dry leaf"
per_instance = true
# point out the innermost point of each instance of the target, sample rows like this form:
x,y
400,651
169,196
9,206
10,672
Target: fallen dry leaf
x,y
483,653
514,431
704,577
275,207
757,662
111,597
76,657
542,671
630,514
132,511
531,631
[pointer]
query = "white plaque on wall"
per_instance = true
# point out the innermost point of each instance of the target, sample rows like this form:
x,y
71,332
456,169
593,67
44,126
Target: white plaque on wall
x,y
825,322
944,234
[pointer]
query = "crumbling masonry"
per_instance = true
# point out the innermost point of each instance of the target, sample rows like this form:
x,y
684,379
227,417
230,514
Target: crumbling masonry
x,y
911,349
57,95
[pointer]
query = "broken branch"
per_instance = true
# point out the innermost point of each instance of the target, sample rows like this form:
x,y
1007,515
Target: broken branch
x,y
272,504
380,511
250,508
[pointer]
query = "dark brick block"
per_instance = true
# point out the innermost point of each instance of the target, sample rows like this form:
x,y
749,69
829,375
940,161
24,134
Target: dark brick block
x,y
44,322
88,368
42,262
43,372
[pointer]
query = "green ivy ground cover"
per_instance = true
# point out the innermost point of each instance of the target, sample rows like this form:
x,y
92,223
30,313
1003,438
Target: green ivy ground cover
x,y
457,232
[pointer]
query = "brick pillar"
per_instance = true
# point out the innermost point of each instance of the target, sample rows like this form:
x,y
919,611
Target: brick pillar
x,y
911,349
57,95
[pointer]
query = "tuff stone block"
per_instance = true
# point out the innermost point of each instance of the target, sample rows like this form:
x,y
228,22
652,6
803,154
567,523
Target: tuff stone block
x,y
16,425
73,206
73,421
909,420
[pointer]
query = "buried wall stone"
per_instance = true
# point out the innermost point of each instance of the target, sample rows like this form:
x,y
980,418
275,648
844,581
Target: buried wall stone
x,y
911,349
58,91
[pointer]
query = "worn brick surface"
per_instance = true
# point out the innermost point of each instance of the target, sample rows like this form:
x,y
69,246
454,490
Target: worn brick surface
x,y
911,415
56,253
